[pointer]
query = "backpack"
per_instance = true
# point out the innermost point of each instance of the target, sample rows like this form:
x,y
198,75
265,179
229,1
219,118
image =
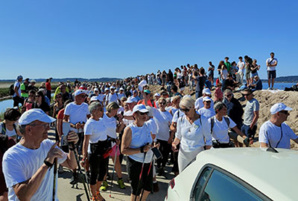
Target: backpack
x,y
212,122
11,89
3,128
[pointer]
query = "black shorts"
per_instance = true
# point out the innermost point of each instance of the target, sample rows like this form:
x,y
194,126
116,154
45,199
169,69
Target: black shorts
x,y
134,169
271,74
98,167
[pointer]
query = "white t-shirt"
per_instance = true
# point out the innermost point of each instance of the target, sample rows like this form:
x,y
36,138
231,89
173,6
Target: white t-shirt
x,y
269,132
193,136
17,84
240,65
221,129
272,62
153,127
200,104
128,114
121,95
21,163
176,115
206,112
112,97
110,124
96,130
163,121
169,108
9,133
100,97
77,113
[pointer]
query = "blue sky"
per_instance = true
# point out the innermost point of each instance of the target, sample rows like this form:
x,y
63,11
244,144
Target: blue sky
x,y
121,38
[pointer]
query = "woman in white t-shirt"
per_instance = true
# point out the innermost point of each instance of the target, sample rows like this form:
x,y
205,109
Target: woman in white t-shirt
x,y
193,134
94,146
8,126
163,120
220,125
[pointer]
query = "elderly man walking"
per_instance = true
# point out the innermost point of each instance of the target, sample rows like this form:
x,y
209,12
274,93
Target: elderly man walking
x,y
274,132
27,165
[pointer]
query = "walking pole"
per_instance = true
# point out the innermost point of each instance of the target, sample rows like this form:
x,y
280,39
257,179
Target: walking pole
x,y
147,175
140,176
80,170
113,171
55,174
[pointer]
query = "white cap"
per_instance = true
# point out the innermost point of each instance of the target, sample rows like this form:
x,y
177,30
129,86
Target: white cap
x,y
94,98
139,108
207,98
96,89
79,92
277,107
112,87
33,115
206,91
121,89
131,99
157,94
107,89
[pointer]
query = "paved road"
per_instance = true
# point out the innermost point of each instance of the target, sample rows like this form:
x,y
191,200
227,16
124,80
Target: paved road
x,y
68,192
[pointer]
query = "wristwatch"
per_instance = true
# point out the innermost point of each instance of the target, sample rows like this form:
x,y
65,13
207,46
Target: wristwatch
x,y
47,163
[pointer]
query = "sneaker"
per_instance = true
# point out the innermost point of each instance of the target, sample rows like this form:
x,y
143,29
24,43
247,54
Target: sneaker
x,y
121,183
155,187
104,186
74,179
269,88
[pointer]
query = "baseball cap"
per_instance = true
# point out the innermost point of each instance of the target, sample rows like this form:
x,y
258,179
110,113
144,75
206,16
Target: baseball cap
x,y
107,89
277,107
96,89
19,77
207,98
131,100
94,98
33,115
112,87
33,81
206,91
157,94
139,108
121,89
150,111
79,92
147,91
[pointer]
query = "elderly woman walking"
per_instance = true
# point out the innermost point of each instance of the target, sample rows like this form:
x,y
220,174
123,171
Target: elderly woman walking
x,y
94,146
193,134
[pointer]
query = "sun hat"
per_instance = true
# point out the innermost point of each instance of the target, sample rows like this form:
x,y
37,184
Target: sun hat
x,y
33,115
277,107
139,108
79,92
206,91
207,98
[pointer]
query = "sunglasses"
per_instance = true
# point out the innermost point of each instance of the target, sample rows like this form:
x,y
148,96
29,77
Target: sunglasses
x,y
162,103
143,113
285,112
229,95
184,110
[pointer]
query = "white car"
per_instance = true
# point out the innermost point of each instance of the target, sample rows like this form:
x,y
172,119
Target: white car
x,y
238,174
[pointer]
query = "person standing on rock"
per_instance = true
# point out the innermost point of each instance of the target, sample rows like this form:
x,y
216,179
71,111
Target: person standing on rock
x,y
271,69
251,114
274,132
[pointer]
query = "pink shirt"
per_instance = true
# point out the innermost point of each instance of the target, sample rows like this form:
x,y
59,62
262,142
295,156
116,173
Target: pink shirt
x,y
218,94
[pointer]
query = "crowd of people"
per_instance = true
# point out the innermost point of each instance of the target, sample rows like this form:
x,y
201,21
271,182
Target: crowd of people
x,y
125,120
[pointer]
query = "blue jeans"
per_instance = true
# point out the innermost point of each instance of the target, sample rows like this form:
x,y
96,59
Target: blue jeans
x,y
245,129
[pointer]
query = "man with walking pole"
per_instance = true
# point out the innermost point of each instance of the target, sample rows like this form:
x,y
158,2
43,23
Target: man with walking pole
x,y
27,166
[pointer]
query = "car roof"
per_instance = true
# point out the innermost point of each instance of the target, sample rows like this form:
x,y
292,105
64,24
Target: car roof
x,y
273,174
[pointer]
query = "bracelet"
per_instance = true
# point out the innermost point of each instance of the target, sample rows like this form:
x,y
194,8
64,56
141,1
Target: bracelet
x,y
47,163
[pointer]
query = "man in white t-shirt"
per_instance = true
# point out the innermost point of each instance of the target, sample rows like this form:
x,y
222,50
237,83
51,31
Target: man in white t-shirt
x,y
207,111
271,69
77,113
199,102
241,70
112,96
27,165
274,132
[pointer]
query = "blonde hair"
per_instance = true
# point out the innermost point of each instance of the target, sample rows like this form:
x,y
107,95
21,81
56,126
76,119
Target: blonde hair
x,y
111,106
187,102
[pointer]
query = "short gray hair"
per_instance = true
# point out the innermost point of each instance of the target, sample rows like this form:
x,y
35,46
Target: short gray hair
x,y
218,106
21,129
94,106
111,106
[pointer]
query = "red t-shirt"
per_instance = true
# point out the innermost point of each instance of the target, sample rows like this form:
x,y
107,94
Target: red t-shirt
x,y
48,86
60,114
